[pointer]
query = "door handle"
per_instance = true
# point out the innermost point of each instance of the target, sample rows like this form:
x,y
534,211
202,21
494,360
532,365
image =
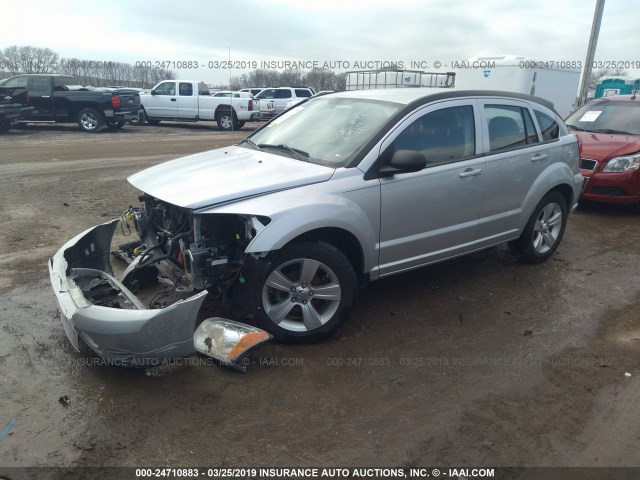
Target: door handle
x,y
173,99
470,173
46,96
539,157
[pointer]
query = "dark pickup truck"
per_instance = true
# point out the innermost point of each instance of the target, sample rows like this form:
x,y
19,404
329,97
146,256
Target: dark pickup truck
x,y
62,99
13,106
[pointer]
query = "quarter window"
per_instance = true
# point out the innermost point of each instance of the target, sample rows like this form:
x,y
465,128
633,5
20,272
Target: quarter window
x,y
549,127
302,93
509,127
442,136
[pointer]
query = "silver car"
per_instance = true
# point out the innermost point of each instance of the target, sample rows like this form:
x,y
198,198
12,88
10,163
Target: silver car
x,y
334,193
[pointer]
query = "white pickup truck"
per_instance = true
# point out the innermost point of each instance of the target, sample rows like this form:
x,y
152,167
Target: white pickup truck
x,y
190,101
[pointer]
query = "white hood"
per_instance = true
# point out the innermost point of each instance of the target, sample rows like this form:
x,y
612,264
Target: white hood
x,y
224,175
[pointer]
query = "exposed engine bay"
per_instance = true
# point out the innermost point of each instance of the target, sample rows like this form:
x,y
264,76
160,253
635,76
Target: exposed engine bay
x,y
192,252
149,312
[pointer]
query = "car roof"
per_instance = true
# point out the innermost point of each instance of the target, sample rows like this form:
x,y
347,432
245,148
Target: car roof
x,y
406,96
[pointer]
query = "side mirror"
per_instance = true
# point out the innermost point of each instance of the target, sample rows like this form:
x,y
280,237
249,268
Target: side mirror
x,y
152,92
404,161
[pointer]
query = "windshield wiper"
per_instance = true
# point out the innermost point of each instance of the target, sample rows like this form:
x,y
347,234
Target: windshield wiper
x,y
296,152
251,143
610,130
577,128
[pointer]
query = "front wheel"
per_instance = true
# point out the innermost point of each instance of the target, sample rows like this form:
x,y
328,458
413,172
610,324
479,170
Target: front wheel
x,y
544,230
305,292
90,120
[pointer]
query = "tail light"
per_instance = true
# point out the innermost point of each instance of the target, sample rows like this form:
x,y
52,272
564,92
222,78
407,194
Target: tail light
x,y
26,97
250,106
115,101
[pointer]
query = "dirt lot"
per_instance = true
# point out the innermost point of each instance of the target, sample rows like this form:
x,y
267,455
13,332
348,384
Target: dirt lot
x,y
479,361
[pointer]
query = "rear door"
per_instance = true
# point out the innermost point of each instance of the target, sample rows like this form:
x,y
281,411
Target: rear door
x,y
282,97
187,106
515,159
433,214
163,101
41,98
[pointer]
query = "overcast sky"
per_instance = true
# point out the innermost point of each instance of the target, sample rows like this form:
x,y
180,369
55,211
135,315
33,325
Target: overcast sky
x,y
323,30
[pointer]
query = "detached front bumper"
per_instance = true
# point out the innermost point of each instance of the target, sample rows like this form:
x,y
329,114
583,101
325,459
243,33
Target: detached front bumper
x,y
129,334
98,308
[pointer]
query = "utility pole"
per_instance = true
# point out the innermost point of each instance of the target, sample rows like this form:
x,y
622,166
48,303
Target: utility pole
x,y
591,50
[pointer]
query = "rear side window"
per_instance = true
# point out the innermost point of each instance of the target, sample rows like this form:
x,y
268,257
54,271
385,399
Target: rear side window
x,y
300,92
185,89
509,127
442,136
549,127
40,86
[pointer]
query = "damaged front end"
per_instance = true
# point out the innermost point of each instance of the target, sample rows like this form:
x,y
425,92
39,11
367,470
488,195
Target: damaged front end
x,y
174,250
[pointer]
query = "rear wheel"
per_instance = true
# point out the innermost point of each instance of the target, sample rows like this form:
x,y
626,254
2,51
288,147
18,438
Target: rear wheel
x,y
90,120
305,292
152,122
544,230
227,120
239,125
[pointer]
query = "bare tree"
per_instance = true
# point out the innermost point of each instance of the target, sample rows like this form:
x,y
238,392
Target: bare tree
x,y
28,59
321,79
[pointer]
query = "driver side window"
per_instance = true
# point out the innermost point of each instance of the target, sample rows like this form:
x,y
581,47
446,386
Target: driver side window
x,y
166,88
442,136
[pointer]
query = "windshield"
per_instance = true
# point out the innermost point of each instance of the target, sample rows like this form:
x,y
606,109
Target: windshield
x,y
327,131
607,117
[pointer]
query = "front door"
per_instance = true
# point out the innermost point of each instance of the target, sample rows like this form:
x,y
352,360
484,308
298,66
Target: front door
x,y
432,214
163,101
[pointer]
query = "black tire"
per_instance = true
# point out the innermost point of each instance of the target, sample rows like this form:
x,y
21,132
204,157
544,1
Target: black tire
x,y
303,315
115,124
5,126
239,125
90,120
139,120
152,122
544,230
227,120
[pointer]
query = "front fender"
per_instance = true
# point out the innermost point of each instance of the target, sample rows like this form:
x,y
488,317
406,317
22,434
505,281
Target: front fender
x,y
295,214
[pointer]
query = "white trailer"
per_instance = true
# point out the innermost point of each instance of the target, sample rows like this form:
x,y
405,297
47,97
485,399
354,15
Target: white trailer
x,y
522,75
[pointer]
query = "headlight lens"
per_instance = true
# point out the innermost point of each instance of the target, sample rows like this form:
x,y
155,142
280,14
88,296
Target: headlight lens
x,y
623,163
227,341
